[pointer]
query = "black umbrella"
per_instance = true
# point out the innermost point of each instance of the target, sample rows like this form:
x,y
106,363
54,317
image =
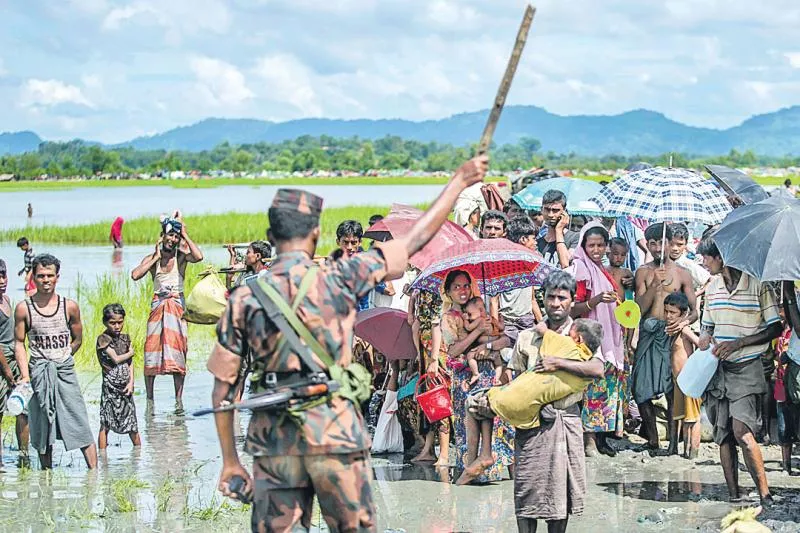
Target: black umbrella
x,y
737,183
763,239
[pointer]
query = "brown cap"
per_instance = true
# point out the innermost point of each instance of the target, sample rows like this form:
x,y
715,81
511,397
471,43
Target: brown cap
x,y
298,200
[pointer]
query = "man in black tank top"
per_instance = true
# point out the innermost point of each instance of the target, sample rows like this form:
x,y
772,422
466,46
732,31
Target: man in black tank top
x,y
53,327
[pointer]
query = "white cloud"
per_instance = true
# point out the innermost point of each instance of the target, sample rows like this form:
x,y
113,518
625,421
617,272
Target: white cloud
x,y
222,83
117,16
448,14
50,93
151,65
761,89
287,80
178,17
89,6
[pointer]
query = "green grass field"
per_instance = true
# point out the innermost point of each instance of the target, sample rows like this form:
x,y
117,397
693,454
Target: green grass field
x,y
205,183
135,297
203,229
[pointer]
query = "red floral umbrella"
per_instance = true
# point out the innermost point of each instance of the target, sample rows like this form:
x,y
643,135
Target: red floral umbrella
x,y
498,265
399,222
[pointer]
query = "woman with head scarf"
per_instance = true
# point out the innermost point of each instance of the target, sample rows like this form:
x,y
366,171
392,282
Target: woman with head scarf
x,y
166,344
458,289
116,232
596,298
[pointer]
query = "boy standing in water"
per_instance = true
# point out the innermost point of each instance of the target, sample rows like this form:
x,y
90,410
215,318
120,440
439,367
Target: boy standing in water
x,y
24,245
9,369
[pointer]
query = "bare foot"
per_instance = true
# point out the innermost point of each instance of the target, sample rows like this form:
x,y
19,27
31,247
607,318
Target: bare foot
x,y
440,463
424,458
473,471
473,380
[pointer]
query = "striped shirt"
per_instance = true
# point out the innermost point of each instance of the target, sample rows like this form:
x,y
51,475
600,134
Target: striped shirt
x,y
28,259
749,309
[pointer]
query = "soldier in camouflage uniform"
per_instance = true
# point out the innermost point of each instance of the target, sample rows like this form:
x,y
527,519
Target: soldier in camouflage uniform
x,y
328,453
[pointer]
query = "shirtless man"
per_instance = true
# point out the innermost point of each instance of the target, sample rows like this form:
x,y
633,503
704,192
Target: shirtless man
x,y
652,368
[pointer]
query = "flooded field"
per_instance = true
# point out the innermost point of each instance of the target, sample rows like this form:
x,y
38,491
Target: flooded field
x,y
170,484
106,203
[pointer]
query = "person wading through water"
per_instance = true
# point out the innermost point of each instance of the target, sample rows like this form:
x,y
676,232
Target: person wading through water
x,y
326,453
52,325
166,345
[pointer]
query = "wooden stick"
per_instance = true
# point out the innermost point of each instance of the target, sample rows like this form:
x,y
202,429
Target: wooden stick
x,y
505,83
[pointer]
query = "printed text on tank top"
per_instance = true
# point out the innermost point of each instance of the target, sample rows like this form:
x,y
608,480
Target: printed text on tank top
x,y
49,336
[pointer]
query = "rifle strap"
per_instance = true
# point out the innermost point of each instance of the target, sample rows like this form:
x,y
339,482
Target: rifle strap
x,y
286,320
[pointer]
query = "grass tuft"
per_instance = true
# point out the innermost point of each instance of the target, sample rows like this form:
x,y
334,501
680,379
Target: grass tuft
x,y
123,491
204,229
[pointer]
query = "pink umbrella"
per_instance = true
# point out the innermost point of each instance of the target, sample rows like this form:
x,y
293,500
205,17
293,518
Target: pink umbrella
x,y
388,331
399,222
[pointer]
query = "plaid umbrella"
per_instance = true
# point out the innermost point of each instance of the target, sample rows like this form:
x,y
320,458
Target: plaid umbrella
x,y
498,265
578,192
664,194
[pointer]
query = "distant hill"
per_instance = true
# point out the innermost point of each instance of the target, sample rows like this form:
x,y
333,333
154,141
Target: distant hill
x,y
18,142
634,132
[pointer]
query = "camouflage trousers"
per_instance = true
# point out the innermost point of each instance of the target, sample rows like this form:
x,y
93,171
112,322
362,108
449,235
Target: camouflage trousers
x,y
285,487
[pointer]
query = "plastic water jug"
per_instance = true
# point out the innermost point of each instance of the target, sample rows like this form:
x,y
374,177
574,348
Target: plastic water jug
x,y
697,373
18,401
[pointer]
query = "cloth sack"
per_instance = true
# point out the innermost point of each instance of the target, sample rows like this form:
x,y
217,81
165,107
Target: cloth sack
x,y
519,402
206,303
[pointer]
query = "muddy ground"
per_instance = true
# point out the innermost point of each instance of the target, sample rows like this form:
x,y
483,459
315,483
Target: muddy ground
x,y
169,485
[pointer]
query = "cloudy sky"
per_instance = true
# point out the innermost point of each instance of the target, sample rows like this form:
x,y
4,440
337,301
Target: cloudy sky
x,y
110,70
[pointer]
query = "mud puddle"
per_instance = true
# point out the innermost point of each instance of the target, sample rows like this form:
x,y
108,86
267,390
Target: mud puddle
x,y
169,484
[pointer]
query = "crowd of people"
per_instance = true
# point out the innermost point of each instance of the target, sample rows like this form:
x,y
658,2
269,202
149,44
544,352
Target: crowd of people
x,y
688,299
613,381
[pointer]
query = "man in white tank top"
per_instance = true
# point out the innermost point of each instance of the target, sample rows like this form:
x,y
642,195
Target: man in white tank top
x,y
166,344
52,325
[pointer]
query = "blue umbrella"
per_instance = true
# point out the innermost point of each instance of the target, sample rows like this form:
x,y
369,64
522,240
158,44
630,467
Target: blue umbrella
x,y
579,195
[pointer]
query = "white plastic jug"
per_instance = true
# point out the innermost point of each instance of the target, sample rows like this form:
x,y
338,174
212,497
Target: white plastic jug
x,y
19,398
697,373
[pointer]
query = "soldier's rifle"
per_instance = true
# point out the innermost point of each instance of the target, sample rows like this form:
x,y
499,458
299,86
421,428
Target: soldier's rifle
x,y
279,398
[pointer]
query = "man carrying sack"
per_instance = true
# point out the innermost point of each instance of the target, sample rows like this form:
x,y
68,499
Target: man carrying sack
x,y
320,446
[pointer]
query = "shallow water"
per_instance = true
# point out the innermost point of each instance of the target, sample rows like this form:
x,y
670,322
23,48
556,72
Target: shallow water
x,y
81,205
89,262
175,473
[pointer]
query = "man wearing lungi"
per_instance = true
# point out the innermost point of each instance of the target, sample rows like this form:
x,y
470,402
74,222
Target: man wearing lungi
x,y
740,318
550,480
53,327
652,367
166,345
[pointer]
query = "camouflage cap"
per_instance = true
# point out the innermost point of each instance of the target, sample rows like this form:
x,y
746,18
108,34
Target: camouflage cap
x,y
298,200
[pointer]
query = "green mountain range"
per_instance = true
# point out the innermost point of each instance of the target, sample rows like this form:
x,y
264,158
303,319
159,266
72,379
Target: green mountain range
x,y
634,132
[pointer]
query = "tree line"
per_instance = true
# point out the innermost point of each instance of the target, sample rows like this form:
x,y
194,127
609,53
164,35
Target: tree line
x,y
324,153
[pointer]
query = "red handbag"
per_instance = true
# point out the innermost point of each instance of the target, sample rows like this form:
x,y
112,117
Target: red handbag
x,y
435,401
